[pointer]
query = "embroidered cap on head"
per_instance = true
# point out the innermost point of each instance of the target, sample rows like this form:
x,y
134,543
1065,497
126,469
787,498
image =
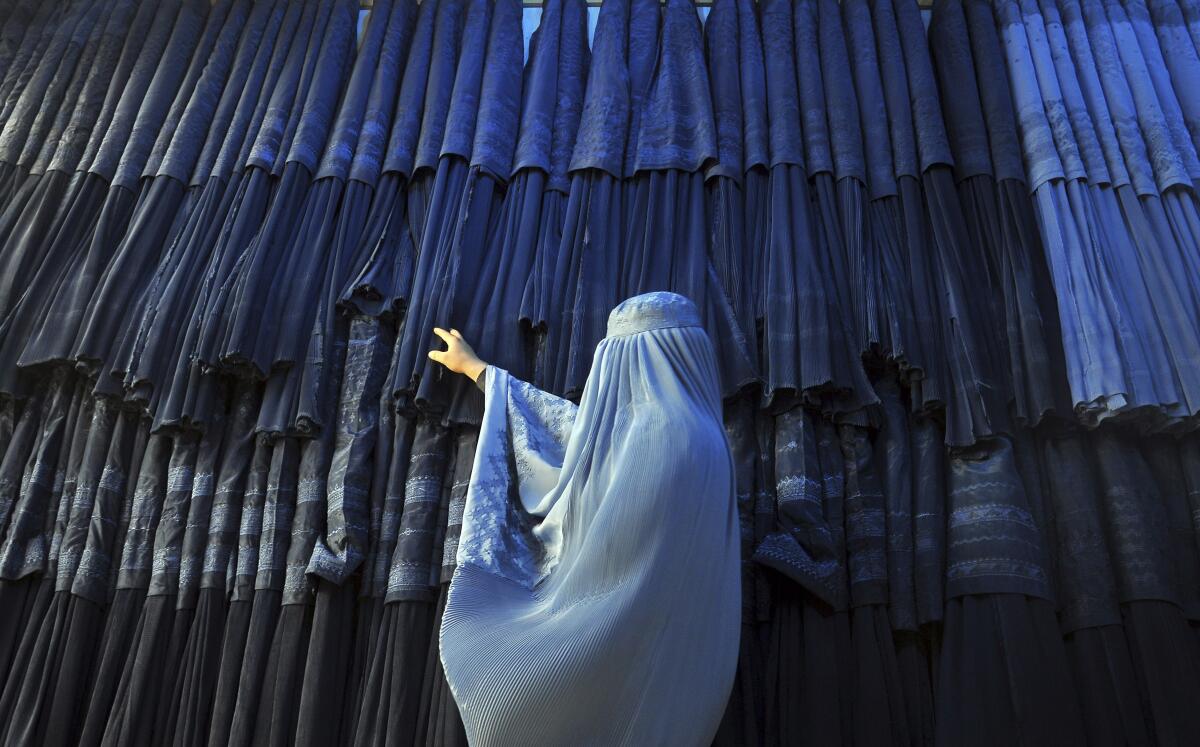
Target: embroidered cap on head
x,y
657,310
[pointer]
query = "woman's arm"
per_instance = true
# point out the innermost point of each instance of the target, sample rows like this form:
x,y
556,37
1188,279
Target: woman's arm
x,y
519,420
458,356
524,401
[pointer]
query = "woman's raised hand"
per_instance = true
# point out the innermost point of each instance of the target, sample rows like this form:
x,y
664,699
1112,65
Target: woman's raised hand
x,y
458,356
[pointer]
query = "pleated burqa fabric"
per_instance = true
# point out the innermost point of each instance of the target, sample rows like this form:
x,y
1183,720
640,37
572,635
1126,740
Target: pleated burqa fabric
x,y
32,104
809,629
1116,353
666,196
249,160
570,295
80,627
338,549
391,636
1154,579
459,155
202,586
1090,616
239,336
383,277
241,618
951,282
834,150
740,118
586,541
278,175
731,32
978,402
156,332
983,138
1000,628
473,167
45,238
898,221
26,547
521,257
121,271
459,198
406,502
396,677
883,275
805,355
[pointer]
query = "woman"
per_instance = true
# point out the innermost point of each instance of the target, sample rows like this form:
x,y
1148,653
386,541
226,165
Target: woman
x,y
597,596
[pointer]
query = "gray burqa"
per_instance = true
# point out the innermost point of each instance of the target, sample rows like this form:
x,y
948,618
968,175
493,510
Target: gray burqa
x,y
597,595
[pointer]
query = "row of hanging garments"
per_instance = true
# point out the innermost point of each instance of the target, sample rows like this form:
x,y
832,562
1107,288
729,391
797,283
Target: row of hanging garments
x,y
950,263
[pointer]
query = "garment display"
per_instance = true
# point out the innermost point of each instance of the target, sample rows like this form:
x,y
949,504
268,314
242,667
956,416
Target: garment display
x,y
905,297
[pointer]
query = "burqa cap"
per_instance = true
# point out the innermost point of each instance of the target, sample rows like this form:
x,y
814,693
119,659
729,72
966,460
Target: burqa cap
x,y
657,310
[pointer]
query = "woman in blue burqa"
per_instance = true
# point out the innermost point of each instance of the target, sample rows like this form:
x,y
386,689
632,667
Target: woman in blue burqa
x,y
597,595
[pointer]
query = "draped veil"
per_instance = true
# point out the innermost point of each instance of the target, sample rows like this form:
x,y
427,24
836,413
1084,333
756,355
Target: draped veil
x,y
597,595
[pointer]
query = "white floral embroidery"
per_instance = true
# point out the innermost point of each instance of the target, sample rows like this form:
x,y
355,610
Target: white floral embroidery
x,y
497,534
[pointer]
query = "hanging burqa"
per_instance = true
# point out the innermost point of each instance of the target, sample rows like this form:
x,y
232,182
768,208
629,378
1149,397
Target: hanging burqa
x,y
597,598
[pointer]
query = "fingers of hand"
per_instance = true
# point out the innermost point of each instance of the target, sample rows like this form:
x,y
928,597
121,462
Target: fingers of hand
x,y
456,333
446,336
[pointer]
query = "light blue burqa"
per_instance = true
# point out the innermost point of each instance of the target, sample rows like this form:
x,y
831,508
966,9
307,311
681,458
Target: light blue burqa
x,y
597,596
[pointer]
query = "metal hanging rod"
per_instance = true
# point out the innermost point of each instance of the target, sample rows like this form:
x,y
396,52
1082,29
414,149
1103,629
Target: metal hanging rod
x,y
597,3
540,3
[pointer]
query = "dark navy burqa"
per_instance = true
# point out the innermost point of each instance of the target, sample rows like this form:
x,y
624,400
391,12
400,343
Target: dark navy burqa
x,y
734,182
949,261
525,247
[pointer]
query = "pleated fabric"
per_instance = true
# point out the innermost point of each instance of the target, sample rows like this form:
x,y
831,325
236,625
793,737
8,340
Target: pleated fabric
x,y
949,261
530,590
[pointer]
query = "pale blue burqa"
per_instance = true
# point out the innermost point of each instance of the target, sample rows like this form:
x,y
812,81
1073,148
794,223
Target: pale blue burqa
x,y
597,596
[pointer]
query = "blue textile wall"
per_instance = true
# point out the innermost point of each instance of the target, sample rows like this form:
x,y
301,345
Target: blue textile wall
x,y
949,259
